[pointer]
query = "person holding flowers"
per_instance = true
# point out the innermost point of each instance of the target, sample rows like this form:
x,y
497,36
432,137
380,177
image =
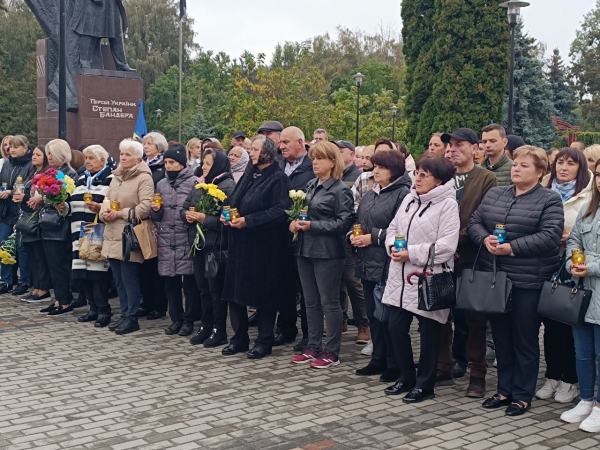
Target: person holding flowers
x,y
56,185
255,273
17,165
130,189
174,263
207,198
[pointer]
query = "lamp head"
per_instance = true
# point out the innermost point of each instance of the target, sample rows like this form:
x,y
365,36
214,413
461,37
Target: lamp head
x,y
394,110
158,113
514,10
358,78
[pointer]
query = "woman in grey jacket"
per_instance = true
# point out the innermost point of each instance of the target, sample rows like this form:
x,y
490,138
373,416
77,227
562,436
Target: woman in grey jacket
x,y
321,254
375,212
586,236
174,263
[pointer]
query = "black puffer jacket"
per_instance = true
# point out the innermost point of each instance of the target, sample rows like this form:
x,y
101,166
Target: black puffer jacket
x,y
375,212
534,224
11,169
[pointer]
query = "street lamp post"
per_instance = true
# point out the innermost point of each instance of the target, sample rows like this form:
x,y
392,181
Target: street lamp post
x,y
158,115
358,78
514,11
62,71
394,112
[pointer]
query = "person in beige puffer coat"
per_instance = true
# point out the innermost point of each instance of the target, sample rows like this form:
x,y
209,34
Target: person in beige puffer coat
x,y
429,215
132,187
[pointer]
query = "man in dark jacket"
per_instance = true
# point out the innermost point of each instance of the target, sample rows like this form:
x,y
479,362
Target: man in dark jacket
x,y
351,285
18,164
298,167
472,183
495,141
272,129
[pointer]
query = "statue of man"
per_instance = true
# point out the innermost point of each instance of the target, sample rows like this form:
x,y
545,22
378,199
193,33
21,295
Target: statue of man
x,y
97,19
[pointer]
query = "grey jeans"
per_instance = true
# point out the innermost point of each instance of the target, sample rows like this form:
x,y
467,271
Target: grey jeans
x,y
320,280
353,288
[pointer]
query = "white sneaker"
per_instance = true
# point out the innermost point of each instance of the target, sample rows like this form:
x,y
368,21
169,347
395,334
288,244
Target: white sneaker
x,y
548,390
368,349
566,393
592,423
579,413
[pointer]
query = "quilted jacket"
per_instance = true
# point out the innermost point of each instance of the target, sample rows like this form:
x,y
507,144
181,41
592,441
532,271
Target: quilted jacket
x,y
173,246
502,169
534,224
575,203
426,219
585,235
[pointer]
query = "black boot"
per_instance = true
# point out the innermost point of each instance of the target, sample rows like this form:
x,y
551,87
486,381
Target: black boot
x,y
102,321
173,328
89,317
128,326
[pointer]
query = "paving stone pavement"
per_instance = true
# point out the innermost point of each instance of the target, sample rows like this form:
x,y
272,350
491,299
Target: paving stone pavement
x,y
64,384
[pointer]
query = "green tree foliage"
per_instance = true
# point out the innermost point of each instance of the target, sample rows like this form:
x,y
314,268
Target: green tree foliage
x,y
152,42
563,96
590,114
534,106
585,54
18,74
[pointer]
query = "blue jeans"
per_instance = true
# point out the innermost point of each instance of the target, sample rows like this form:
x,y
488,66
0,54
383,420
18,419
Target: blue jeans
x,y
6,270
587,354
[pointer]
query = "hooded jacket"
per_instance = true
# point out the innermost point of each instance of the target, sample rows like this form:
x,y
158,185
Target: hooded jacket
x,y
431,218
132,188
12,168
375,212
173,248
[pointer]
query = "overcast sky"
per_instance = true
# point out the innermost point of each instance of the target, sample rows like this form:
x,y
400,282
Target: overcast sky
x,y
237,25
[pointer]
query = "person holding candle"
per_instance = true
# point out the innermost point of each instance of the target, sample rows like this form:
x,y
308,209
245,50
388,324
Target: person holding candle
x,y
174,263
375,212
255,271
585,236
534,220
321,254
216,170
131,188
94,278
571,178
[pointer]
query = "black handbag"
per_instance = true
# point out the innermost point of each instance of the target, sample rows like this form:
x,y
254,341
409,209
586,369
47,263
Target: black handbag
x,y
216,261
28,225
50,219
437,291
564,301
129,241
381,312
484,292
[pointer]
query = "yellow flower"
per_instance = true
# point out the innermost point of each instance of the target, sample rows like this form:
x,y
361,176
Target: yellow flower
x,y
201,186
70,184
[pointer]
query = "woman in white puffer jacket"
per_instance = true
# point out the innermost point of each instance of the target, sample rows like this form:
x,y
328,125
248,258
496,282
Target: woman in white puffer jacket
x,y
429,215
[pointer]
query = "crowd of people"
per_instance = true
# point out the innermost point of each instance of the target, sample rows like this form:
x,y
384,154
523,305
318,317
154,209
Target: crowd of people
x,y
373,220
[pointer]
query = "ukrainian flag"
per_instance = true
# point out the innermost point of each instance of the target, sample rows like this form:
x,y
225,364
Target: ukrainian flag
x,y
140,127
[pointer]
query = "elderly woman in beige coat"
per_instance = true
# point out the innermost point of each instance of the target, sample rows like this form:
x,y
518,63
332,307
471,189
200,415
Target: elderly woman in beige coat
x,y
133,188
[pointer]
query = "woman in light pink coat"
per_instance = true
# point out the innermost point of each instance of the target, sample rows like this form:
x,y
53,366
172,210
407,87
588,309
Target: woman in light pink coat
x,y
429,215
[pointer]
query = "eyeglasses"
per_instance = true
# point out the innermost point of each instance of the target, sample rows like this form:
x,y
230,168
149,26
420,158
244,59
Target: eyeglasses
x,y
422,175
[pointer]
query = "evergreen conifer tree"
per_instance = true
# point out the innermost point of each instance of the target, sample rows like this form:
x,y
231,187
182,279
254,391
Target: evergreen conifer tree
x,y
563,95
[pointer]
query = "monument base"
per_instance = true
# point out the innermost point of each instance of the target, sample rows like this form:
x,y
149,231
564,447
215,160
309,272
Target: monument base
x,y
108,107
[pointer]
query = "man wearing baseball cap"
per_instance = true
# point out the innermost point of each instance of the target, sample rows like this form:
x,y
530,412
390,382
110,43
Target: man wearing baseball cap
x,y
237,139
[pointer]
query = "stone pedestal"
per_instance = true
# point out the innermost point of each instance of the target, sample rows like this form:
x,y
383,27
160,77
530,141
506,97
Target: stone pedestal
x,y
107,106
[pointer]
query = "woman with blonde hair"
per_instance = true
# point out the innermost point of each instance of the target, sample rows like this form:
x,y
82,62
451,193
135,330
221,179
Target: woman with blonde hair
x,y
194,151
321,252
4,147
592,155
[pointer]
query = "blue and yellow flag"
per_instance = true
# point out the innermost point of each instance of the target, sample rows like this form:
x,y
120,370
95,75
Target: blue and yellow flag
x,y
141,129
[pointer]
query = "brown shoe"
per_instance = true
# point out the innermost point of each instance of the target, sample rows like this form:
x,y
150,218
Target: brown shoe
x,y
364,334
476,387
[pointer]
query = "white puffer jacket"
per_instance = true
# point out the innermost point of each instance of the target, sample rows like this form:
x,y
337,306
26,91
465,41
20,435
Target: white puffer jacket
x,y
423,220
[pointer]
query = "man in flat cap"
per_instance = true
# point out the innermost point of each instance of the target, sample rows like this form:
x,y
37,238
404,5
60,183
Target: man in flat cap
x,y
237,139
272,129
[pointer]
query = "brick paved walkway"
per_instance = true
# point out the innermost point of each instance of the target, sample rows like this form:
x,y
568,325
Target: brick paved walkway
x,y
67,385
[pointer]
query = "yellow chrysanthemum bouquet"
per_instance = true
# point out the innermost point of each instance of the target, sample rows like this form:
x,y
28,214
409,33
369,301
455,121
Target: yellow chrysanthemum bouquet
x,y
8,250
209,203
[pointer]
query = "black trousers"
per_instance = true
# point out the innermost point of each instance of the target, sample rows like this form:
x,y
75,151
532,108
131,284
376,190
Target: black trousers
x,y
214,310
173,286
399,328
383,350
96,293
516,336
559,351
58,257
152,287
288,313
40,273
238,315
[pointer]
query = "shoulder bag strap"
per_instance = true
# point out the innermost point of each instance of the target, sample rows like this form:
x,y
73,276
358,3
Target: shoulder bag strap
x,y
386,270
476,262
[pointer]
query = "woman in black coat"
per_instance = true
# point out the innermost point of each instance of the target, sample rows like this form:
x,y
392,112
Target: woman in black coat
x,y
257,247
376,210
215,170
534,219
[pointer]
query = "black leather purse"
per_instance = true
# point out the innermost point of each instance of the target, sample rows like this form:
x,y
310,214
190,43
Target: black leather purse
x,y
28,225
437,291
564,301
381,312
215,261
484,292
129,240
50,219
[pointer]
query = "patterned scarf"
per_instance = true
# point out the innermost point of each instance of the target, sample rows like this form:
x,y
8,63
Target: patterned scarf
x,y
240,166
566,190
157,160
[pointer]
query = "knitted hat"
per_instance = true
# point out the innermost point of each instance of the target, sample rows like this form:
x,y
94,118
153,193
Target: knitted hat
x,y
178,153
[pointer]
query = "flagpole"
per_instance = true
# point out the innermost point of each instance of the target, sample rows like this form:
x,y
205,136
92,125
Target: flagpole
x,y
180,69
